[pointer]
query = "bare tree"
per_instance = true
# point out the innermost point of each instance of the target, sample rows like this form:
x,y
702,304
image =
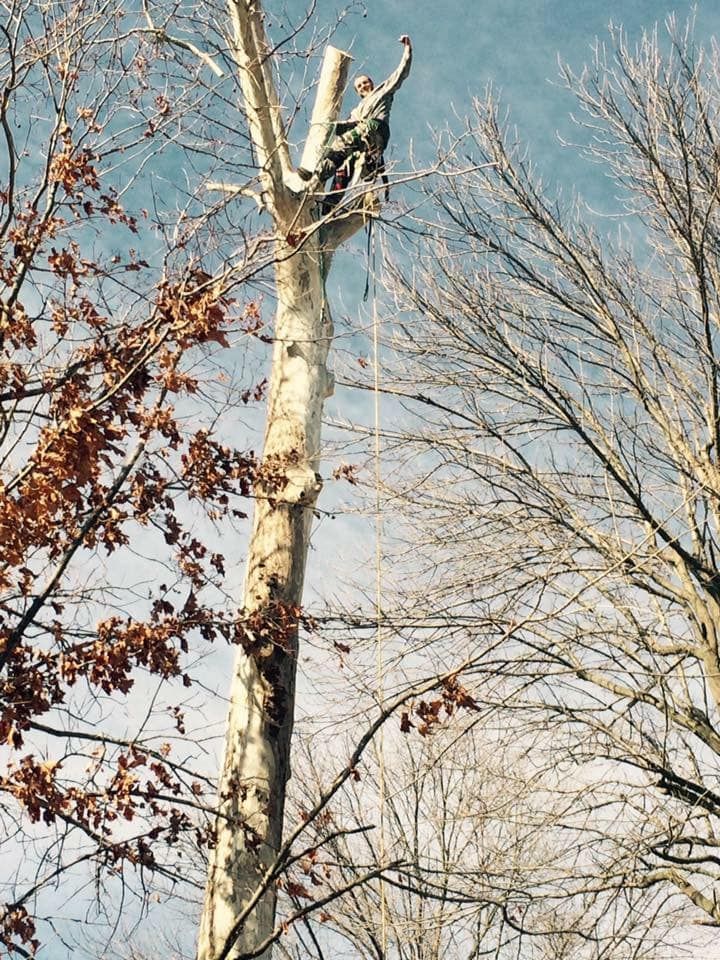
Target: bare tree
x,y
238,918
489,851
565,500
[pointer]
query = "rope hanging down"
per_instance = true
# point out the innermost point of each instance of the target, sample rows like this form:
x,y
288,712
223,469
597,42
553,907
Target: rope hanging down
x,y
380,663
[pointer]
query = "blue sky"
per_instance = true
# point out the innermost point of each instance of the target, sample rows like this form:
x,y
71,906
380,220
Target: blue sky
x,y
460,47
515,45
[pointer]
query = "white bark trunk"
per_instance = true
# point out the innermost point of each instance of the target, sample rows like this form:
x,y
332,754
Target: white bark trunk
x,y
239,911
256,765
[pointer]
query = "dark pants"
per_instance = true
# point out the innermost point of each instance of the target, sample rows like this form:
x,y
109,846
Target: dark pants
x,y
366,136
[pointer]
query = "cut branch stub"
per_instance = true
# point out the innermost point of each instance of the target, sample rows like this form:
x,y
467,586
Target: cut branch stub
x,y
328,101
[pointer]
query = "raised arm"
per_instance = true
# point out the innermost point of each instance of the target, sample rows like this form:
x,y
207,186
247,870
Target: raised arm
x,y
396,78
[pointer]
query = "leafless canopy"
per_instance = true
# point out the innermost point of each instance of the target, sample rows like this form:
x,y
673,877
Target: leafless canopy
x,y
567,483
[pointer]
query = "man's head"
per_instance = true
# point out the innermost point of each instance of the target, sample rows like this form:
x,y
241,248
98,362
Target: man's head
x,y
363,86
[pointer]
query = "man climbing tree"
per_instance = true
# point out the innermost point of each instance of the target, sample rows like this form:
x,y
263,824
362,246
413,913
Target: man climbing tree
x,y
368,129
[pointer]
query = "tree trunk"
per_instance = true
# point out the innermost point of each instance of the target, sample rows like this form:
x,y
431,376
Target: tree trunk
x,y
239,912
256,766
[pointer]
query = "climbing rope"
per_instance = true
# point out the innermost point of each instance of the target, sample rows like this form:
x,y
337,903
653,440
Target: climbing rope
x,y
380,662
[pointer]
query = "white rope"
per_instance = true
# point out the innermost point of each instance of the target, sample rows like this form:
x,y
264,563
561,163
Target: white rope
x,y
379,663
